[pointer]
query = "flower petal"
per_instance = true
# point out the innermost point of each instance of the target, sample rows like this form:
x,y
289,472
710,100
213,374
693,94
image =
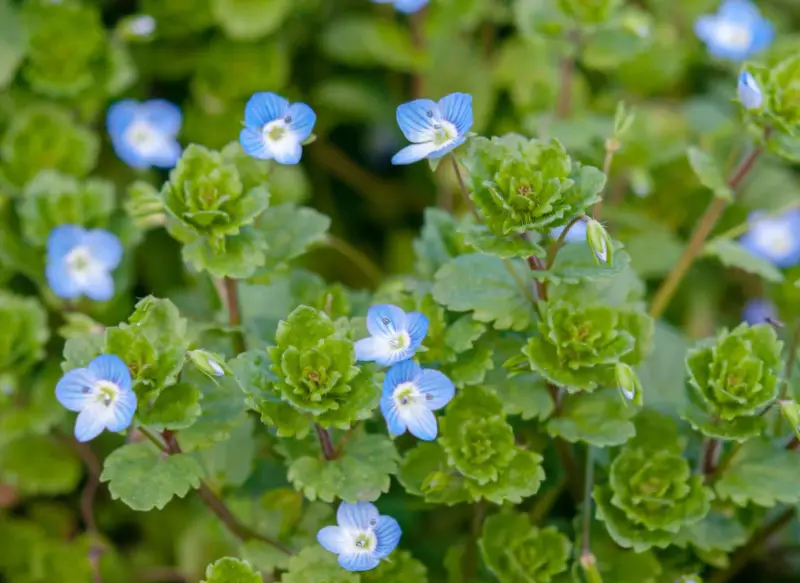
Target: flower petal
x,y
457,109
413,153
252,142
386,320
447,148
60,280
394,423
373,349
360,516
388,532
163,115
358,561
403,372
167,155
62,240
333,539
763,35
122,411
421,421
303,120
74,389
286,151
126,152
437,388
416,119
100,286
104,247
417,326
739,11
705,27
120,115
264,107
409,6
110,367
91,421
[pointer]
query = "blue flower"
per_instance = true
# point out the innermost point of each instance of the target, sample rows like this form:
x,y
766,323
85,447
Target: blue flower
x,y
394,335
144,134
101,393
759,311
433,128
362,538
776,239
736,31
80,262
405,6
750,95
276,129
576,233
410,395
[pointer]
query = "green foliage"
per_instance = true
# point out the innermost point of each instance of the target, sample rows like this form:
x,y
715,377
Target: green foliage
x,y
527,185
516,552
230,570
24,325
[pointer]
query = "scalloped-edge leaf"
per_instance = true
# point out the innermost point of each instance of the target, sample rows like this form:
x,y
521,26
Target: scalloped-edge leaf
x,y
230,570
575,263
485,241
599,418
707,171
733,254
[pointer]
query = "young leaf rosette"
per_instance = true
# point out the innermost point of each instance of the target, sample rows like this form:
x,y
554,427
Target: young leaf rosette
x,y
316,372
523,185
577,347
738,374
650,495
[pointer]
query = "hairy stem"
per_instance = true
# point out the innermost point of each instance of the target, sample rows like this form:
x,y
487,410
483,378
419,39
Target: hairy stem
x,y
710,453
170,446
740,558
229,293
718,471
325,442
87,504
704,227
357,258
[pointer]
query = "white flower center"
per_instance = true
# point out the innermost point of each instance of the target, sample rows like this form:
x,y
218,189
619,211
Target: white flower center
x,y
104,392
143,25
81,265
363,541
777,240
733,34
406,394
277,129
144,138
400,341
444,132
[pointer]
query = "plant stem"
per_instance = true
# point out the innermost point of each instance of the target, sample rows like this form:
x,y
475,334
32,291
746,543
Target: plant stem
x,y
589,566
229,293
704,227
325,442
567,72
417,21
717,472
612,145
170,446
742,228
708,459
791,358
588,486
478,513
357,258
740,558
552,252
87,505
545,501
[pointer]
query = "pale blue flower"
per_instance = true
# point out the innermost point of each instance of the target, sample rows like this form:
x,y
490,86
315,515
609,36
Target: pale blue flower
x,y
362,538
410,395
405,6
275,129
759,311
144,134
394,335
102,395
736,31
750,95
80,262
576,233
434,129
776,239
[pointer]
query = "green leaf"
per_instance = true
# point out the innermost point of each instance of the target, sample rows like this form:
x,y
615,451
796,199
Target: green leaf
x,y
599,418
23,322
230,462
290,231
144,478
316,565
12,42
734,254
663,389
621,565
576,263
516,552
237,257
361,472
707,171
762,473
716,532
471,366
223,407
425,472
230,570
177,407
439,241
250,19
364,41
39,465
400,568
483,240
483,285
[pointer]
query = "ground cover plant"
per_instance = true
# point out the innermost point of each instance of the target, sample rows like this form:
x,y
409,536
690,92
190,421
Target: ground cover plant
x,y
448,291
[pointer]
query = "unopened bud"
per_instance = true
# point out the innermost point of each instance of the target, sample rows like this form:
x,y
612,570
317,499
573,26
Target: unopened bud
x,y
630,387
209,363
599,241
750,95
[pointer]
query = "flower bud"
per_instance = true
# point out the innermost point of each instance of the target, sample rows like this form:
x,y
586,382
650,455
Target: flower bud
x,y
209,363
791,412
599,241
630,387
750,95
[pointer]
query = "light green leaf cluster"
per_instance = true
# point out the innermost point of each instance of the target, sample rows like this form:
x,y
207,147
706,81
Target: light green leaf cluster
x,y
475,458
316,565
211,213
25,332
650,495
250,19
577,346
230,570
45,137
590,11
517,552
733,377
144,206
522,185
